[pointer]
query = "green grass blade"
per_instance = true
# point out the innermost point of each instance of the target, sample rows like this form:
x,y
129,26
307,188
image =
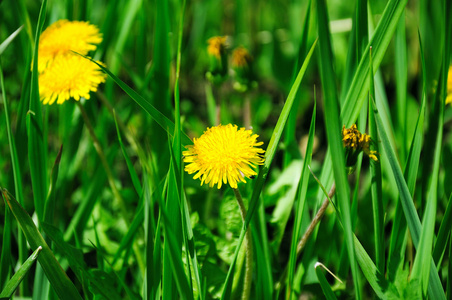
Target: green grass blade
x,y
14,282
376,184
301,200
9,39
160,118
36,140
55,274
379,42
262,176
382,288
401,72
443,233
50,201
435,289
5,258
132,172
333,129
326,288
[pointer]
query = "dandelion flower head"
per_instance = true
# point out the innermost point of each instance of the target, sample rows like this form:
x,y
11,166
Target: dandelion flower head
x,y
217,46
68,77
224,154
356,142
241,58
64,74
63,37
449,86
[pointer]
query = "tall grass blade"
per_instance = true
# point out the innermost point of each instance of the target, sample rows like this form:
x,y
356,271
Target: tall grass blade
x,y
376,185
37,153
301,200
262,176
333,129
435,289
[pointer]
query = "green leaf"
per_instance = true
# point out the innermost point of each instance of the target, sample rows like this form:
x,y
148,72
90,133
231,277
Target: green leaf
x,y
435,289
37,154
14,282
9,39
262,176
301,199
333,129
60,282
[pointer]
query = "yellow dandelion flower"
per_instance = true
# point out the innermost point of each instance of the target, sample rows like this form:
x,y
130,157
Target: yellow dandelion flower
x,y
241,58
217,46
63,37
449,86
224,154
355,142
69,76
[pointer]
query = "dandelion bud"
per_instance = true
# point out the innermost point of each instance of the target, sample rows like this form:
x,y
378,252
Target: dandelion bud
x,y
356,142
242,66
218,60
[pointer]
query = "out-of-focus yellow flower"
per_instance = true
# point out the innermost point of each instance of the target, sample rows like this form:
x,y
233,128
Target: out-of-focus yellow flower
x,y
218,59
69,76
449,86
224,154
63,37
355,142
217,46
64,74
242,66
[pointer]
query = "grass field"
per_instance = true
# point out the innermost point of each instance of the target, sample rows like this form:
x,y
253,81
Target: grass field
x,y
118,181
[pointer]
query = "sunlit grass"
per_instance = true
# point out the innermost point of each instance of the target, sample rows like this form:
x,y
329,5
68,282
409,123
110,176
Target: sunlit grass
x,y
99,183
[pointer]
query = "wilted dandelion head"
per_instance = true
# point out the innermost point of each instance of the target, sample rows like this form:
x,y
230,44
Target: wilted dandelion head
x,y
64,74
355,142
224,154
69,77
63,37
449,86
217,46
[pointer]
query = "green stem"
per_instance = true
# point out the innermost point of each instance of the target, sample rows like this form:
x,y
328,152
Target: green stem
x,y
248,249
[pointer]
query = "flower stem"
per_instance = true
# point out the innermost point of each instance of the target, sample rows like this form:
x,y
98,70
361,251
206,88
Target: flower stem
x,y
307,234
247,112
248,249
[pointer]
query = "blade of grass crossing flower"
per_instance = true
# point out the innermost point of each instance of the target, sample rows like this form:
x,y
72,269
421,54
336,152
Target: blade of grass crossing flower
x,y
435,289
376,184
301,200
379,41
333,130
36,140
161,119
326,288
55,274
14,282
262,176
